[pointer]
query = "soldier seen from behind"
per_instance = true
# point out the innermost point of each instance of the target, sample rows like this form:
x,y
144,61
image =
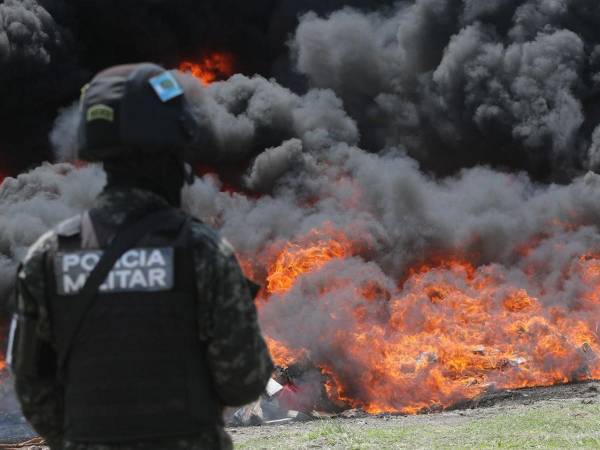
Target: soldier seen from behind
x,y
134,324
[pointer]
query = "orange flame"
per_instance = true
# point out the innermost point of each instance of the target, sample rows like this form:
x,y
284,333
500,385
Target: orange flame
x,y
452,331
281,355
295,260
214,67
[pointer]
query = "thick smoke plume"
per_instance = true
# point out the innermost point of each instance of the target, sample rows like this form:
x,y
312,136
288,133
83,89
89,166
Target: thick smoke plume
x,y
454,83
507,83
50,48
409,148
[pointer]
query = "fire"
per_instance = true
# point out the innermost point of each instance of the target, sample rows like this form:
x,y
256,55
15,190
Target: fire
x,y
446,333
295,260
214,67
281,355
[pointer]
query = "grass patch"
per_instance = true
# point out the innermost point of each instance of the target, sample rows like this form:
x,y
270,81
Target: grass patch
x,y
558,425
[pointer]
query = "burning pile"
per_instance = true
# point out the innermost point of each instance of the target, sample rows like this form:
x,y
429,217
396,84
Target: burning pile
x,y
402,304
446,333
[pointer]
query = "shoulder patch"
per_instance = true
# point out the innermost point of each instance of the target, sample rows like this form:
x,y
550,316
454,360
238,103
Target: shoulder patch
x,y
100,112
166,86
69,227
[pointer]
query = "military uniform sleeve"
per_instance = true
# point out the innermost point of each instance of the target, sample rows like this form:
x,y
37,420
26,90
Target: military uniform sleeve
x,y
33,358
237,354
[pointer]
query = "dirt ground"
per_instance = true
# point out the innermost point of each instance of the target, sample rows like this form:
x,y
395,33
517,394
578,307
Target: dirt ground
x,y
341,432
320,434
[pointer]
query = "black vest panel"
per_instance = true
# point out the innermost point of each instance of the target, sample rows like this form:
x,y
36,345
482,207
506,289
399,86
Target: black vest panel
x,y
137,369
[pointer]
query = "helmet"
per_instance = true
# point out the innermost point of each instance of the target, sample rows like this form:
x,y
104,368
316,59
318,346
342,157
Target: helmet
x,y
135,107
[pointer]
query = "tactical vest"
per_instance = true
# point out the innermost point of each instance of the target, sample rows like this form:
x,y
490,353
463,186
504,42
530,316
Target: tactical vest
x,y
136,369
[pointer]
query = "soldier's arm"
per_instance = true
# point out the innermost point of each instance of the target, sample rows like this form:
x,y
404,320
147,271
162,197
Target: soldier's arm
x,y
237,354
32,356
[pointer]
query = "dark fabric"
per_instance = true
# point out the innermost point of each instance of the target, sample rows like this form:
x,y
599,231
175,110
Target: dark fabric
x,y
216,439
137,369
163,174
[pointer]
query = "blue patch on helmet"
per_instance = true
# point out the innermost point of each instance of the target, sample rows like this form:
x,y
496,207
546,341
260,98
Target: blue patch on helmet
x,y
166,86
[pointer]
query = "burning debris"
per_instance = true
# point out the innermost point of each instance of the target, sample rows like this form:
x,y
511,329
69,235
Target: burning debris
x,y
412,294
386,288
296,393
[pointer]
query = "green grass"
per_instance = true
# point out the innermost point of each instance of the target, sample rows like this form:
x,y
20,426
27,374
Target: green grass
x,y
563,425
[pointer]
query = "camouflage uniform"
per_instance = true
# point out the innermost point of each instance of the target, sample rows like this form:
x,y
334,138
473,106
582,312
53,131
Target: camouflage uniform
x,y
237,356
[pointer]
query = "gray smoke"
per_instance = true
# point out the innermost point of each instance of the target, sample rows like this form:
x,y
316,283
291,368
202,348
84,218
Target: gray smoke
x,y
245,115
508,83
504,82
27,32
392,97
241,117
64,134
36,201
50,48
398,214
38,69
272,164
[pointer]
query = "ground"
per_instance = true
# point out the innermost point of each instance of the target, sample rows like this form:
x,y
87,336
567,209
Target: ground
x,y
557,417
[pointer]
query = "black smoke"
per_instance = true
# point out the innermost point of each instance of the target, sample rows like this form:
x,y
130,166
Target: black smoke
x,y
50,48
508,83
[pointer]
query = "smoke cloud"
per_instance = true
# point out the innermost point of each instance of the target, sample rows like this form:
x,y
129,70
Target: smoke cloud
x,y
461,135
50,48
507,83
38,72
459,84
36,201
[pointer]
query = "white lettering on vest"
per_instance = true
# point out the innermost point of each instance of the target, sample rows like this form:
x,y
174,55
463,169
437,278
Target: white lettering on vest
x,y
70,260
129,261
157,277
71,286
156,259
89,261
137,280
137,270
